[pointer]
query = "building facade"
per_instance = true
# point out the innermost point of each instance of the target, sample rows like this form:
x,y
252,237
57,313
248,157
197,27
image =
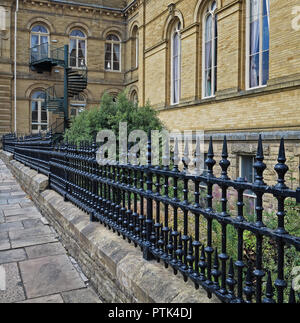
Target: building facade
x,y
228,67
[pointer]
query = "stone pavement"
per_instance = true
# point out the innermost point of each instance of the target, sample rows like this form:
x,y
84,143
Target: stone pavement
x,y
33,262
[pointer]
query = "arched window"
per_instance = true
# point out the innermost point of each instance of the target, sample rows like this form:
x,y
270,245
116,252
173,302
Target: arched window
x,y
210,50
175,63
258,34
39,42
39,115
77,104
134,97
113,53
135,47
77,49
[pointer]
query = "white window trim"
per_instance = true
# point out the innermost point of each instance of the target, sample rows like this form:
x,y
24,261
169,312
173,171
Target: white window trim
x,y
213,53
77,48
248,47
40,34
175,30
39,123
240,173
114,42
136,51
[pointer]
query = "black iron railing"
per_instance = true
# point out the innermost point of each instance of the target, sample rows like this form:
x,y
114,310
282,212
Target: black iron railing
x,y
159,210
46,51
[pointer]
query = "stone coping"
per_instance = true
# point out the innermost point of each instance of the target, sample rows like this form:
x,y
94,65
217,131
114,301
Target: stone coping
x,y
116,269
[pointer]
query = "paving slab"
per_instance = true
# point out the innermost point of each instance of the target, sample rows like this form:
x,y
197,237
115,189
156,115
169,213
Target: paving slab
x,y
12,256
21,211
11,226
4,241
82,296
14,288
52,299
18,218
32,236
45,250
49,275
37,265
10,206
32,223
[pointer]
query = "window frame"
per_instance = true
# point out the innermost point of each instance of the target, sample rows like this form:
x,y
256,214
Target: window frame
x,y
253,195
176,30
214,50
248,87
113,43
40,34
39,123
77,38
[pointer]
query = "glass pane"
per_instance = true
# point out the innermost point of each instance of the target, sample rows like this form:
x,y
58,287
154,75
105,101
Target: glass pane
x,y
34,127
38,95
44,127
34,40
34,111
73,52
254,37
216,75
40,29
247,168
108,48
116,66
44,39
112,37
266,33
175,44
176,92
208,83
175,68
254,10
266,7
116,56
208,55
73,112
254,70
213,6
108,64
208,28
44,118
265,68
81,52
77,33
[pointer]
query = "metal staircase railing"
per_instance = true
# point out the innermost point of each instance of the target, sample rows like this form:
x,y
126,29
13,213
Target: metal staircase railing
x,y
53,102
77,81
46,53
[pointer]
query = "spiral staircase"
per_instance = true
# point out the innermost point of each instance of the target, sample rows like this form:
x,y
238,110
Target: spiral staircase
x,y
75,80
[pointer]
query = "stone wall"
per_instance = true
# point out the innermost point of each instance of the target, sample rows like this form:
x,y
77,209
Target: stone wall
x,y
115,268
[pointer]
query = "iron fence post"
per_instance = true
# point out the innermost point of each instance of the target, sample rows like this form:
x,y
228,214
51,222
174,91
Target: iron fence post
x,y
149,219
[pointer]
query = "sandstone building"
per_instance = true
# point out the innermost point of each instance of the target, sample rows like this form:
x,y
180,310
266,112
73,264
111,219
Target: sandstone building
x,y
227,66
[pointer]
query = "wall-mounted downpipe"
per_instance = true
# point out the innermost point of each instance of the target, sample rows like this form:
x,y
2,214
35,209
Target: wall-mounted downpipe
x,y
15,66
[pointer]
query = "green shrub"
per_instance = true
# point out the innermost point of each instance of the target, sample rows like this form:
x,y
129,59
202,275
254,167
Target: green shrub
x,y
108,116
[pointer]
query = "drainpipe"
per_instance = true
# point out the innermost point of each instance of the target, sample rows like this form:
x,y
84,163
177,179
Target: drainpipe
x,y
15,67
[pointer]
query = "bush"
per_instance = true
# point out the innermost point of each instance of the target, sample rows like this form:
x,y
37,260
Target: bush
x,y
108,116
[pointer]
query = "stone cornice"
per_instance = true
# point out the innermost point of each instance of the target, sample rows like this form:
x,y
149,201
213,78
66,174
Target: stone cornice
x,y
85,7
